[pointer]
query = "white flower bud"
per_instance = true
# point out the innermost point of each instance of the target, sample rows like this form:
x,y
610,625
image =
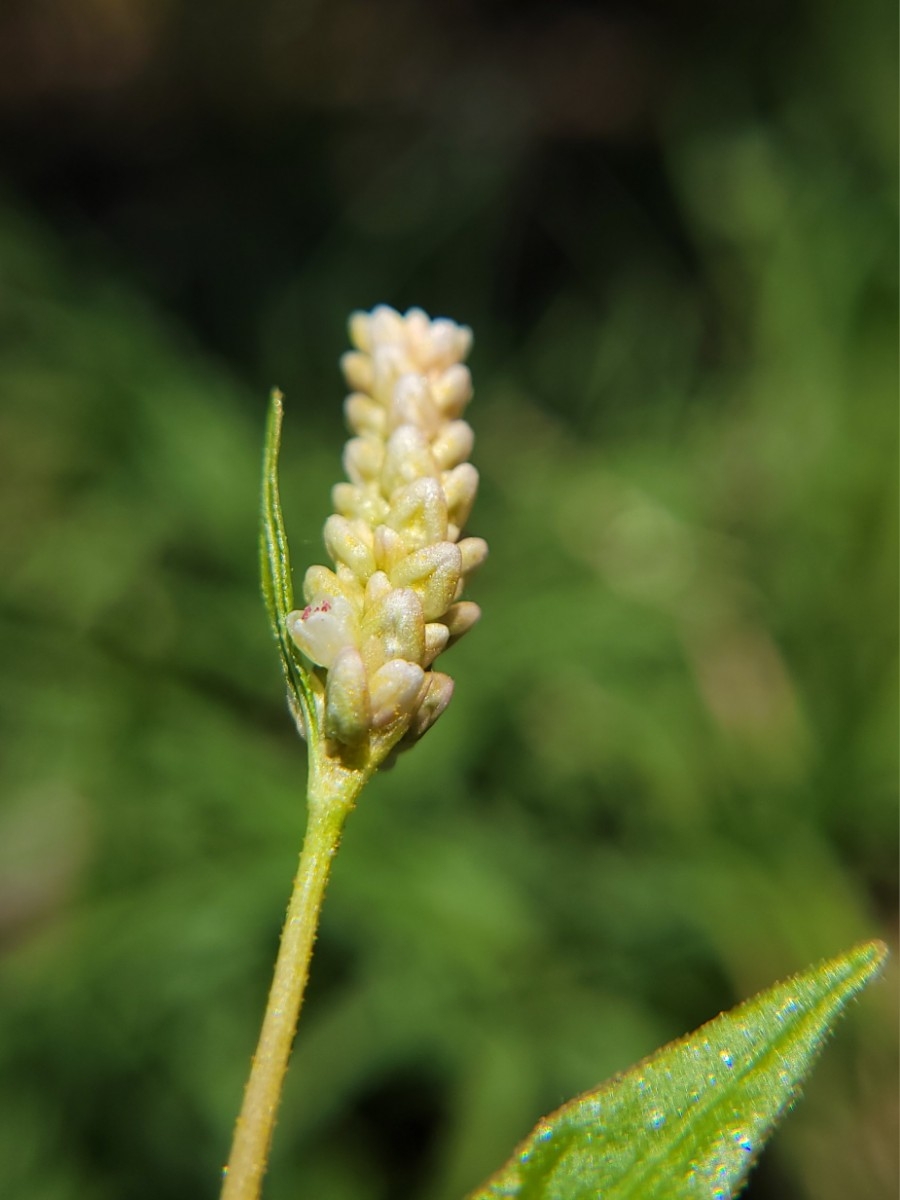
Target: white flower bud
x,y
364,458
459,618
385,325
349,542
411,404
417,331
449,343
436,638
321,584
350,581
348,711
394,690
433,572
377,588
388,364
453,444
323,630
364,415
394,627
419,513
474,551
359,503
389,548
359,327
407,458
357,370
460,488
453,391
437,696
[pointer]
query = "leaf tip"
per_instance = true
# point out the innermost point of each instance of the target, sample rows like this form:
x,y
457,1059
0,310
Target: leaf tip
x,y
871,957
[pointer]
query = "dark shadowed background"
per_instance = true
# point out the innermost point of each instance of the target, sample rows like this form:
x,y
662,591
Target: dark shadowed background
x,y
669,772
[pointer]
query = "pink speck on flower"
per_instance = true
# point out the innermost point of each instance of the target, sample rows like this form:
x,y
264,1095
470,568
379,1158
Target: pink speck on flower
x,y
324,607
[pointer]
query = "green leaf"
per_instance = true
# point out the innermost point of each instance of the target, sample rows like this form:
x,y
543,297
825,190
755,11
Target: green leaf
x,y
275,569
690,1120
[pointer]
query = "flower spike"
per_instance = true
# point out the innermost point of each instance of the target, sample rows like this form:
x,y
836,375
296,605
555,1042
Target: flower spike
x,y
372,627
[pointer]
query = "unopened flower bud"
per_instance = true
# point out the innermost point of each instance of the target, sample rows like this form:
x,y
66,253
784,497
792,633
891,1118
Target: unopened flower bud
x,y
407,457
453,445
349,542
395,627
419,513
433,573
359,503
364,415
459,618
364,459
357,370
348,713
435,700
460,487
395,688
473,551
322,630
436,638
453,391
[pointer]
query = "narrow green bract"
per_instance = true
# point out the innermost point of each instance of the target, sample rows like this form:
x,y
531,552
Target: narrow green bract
x,y
275,565
689,1121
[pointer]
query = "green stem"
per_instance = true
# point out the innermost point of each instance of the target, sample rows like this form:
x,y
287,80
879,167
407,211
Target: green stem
x,y
332,792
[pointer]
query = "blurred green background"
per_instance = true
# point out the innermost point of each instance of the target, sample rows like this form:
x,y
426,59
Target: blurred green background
x,y
669,773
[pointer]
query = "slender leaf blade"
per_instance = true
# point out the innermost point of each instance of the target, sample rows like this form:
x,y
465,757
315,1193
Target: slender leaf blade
x,y
690,1120
275,563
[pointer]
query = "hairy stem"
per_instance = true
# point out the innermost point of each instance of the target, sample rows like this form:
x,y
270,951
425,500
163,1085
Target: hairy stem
x,y
331,797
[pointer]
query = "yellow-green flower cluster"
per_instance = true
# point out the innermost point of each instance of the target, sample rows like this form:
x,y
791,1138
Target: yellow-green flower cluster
x,y
377,622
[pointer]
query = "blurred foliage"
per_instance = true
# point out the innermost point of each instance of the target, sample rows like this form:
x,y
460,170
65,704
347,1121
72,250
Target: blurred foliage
x,y
669,773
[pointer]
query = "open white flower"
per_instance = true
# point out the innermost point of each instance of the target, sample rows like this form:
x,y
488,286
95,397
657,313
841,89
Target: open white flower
x,y
392,604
